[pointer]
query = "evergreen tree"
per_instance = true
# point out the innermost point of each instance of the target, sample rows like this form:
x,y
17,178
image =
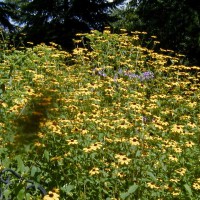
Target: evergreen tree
x,y
60,20
7,12
175,22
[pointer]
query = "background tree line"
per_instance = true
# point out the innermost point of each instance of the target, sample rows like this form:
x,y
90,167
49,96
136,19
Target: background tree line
x,y
175,22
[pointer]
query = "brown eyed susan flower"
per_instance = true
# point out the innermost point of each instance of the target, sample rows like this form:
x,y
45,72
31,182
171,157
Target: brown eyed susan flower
x,y
196,184
152,186
87,149
177,128
181,171
51,196
40,135
174,180
177,149
38,144
84,131
96,145
134,141
122,159
94,171
176,192
173,158
120,174
189,144
192,125
72,142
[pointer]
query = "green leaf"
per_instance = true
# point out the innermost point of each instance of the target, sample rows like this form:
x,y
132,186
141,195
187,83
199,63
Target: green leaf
x,y
132,188
67,188
188,189
152,176
124,195
21,194
28,196
138,153
33,170
7,193
46,155
20,164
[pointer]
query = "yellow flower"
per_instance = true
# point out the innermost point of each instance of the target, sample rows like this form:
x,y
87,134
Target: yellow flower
x,y
176,192
72,141
4,105
177,149
122,159
196,184
192,104
38,144
173,158
56,190
87,149
67,154
181,171
152,186
121,174
93,147
189,144
177,128
134,141
94,171
51,196
192,125
40,135
106,32
174,180
96,145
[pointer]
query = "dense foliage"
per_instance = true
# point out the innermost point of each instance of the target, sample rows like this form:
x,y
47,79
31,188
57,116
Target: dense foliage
x,y
60,20
7,12
116,121
176,23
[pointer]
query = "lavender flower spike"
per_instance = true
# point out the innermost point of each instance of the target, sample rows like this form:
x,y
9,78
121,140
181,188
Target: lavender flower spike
x,y
146,76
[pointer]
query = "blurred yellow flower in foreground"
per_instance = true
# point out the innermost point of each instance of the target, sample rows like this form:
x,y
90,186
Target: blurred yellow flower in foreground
x,y
51,196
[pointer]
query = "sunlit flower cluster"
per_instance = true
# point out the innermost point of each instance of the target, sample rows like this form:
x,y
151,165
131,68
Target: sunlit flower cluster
x,y
115,113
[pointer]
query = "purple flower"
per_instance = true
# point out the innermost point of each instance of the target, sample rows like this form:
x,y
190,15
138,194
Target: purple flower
x,y
102,73
142,77
120,71
146,76
99,72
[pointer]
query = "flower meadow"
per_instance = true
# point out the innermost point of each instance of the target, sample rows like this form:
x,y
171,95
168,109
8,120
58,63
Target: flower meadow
x,y
110,120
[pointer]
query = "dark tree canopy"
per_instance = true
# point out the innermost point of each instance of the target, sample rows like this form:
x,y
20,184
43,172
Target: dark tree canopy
x,y
59,20
7,12
175,22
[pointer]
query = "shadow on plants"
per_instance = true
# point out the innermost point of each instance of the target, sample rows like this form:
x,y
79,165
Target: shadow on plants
x,y
36,112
